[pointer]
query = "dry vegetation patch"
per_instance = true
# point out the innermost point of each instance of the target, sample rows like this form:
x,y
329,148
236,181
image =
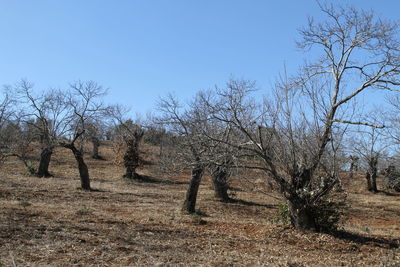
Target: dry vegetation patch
x,y
49,221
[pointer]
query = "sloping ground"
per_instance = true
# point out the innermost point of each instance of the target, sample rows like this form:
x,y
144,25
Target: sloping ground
x,y
48,221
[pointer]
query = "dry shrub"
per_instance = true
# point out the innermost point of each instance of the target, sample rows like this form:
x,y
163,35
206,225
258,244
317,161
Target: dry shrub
x,y
118,148
327,212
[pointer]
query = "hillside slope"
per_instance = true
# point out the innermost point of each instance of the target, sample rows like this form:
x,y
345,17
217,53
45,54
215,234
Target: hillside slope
x,y
49,221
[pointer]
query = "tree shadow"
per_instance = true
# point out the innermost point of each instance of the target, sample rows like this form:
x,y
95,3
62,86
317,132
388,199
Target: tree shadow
x,y
362,240
387,193
92,190
250,203
154,180
98,157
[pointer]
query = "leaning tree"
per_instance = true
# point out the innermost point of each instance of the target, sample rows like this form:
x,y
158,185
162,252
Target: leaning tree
x,y
84,101
185,125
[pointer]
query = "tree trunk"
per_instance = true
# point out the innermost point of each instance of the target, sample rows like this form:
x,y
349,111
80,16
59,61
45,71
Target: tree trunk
x,y
372,174
95,150
220,182
45,157
83,169
189,204
371,182
130,172
301,217
300,214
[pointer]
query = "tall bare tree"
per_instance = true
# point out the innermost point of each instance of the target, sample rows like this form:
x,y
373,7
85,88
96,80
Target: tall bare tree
x,y
85,102
293,131
359,52
186,125
47,115
192,148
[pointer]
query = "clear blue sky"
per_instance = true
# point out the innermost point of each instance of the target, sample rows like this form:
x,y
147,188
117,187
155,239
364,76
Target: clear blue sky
x,y
143,49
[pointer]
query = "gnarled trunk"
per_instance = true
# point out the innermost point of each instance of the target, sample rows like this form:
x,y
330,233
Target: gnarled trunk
x,y
83,169
220,183
300,213
189,205
45,157
301,217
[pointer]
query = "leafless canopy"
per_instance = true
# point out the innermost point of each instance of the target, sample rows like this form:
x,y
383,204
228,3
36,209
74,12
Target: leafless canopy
x,y
296,129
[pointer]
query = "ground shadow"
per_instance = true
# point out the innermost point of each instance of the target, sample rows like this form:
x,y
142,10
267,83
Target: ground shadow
x,y
387,193
154,180
250,203
92,190
98,158
362,240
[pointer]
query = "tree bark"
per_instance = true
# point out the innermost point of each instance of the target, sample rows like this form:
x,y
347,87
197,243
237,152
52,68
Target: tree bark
x,y
372,174
189,205
45,157
371,182
300,214
83,169
301,218
220,183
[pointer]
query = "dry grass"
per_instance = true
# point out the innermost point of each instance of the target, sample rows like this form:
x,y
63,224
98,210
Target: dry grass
x,y
49,221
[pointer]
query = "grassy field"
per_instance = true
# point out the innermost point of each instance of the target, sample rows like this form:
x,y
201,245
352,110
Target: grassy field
x,y
51,222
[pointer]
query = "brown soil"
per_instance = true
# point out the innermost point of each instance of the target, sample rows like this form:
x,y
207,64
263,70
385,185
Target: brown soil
x,y
49,221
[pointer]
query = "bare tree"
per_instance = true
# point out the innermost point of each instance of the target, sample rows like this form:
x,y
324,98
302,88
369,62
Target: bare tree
x,y
369,144
84,100
185,125
219,159
192,148
357,53
48,118
306,112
